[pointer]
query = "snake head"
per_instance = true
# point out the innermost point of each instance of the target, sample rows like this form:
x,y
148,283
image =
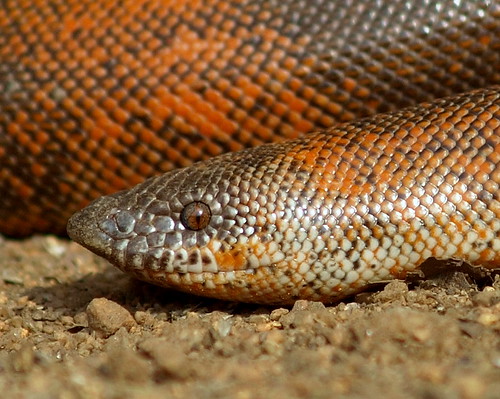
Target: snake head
x,y
210,229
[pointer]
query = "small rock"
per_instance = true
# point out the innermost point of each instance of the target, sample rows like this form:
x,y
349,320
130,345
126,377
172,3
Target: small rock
x,y
486,298
489,316
305,314
258,319
472,386
170,360
307,305
394,291
106,317
223,326
23,359
273,342
124,364
277,313
54,246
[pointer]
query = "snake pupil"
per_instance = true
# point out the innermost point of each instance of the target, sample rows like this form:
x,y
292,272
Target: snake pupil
x,y
196,215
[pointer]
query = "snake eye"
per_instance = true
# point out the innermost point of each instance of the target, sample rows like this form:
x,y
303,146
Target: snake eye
x,y
196,216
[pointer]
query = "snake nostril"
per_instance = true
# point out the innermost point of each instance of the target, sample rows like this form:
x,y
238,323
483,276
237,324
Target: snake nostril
x,y
196,215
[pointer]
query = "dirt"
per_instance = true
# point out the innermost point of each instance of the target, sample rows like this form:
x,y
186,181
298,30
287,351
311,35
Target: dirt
x,y
71,326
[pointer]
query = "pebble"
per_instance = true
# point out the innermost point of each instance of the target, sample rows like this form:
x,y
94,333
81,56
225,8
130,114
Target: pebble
x,y
487,297
171,360
105,317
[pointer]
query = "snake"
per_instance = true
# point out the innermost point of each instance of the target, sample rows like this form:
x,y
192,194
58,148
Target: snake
x,y
201,110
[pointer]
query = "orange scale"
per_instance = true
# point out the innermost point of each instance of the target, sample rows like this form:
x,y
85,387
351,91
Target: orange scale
x,y
312,114
417,131
153,157
485,116
128,139
349,84
240,115
483,176
101,185
233,259
295,104
159,143
212,115
183,111
197,120
33,19
41,137
145,136
273,121
250,124
144,169
356,165
22,137
108,176
232,146
193,152
157,120
173,155
249,88
288,63
332,107
363,92
247,103
292,117
282,75
36,149
470,197
24,190
212,149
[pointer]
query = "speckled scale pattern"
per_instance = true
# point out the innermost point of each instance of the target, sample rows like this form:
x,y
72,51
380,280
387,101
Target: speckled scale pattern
x,y
97,95
319,217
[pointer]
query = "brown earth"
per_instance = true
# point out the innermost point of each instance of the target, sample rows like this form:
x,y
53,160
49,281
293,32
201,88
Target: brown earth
x,y
71,326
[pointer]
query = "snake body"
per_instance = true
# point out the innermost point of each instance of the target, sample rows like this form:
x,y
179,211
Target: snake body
x,y
96,96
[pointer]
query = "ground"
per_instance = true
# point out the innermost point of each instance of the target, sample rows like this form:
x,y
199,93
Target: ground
x,y
71,326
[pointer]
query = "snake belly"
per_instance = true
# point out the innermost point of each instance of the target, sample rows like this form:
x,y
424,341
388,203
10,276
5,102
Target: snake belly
x,y
97,95
319,217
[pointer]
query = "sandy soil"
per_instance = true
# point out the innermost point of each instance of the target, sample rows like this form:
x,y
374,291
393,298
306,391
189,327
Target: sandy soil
x,y
71,326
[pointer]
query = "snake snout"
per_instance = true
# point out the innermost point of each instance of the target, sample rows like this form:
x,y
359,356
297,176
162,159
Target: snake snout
x,y
84,227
